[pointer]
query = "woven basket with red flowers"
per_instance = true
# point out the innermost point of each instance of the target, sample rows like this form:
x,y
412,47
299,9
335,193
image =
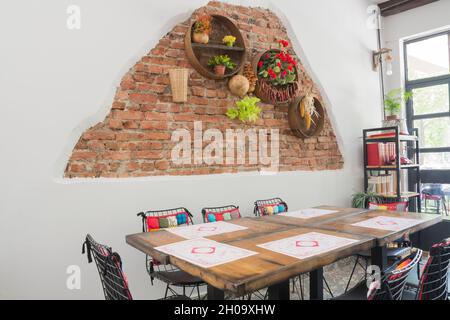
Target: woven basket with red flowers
x,y
277,75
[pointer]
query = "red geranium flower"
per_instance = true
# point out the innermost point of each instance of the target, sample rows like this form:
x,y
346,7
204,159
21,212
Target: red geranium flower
x,y
283,43
260,64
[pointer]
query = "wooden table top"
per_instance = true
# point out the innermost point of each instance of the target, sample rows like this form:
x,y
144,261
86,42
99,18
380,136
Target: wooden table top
x,y
258,271
341,212
383,237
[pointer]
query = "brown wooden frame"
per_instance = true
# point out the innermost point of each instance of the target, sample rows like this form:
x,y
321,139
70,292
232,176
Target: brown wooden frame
x,y
198,62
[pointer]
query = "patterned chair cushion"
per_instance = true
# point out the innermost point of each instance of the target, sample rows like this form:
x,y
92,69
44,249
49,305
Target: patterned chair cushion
x,y
226,215
271,209
170,221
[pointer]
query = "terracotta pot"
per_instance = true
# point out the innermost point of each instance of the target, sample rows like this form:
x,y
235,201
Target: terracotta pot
x,y
200,38
392,117
219,70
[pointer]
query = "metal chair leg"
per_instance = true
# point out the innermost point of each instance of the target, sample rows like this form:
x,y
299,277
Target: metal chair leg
x,y
301,287
351,275
167,291
328,287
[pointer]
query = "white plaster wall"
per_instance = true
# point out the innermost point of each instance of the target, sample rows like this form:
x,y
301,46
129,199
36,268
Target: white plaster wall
x,y
54,83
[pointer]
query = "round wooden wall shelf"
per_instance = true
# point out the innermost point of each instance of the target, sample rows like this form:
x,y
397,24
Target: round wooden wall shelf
x,y
297,123
269,93
199,54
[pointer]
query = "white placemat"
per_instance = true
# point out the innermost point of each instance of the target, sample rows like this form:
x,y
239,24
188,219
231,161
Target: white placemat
x,y
205,253
205,230
308,213
307,245
388,223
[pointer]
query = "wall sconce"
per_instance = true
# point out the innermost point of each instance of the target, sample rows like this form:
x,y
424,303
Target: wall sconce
x,y
378,59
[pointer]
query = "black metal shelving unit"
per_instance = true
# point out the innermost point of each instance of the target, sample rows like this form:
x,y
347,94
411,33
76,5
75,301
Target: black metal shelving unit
x,y
412,143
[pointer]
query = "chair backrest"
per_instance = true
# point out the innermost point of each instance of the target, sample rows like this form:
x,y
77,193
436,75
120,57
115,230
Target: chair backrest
x,y
109,266
394,278
433,283
151,222
232,210
151,219
260,206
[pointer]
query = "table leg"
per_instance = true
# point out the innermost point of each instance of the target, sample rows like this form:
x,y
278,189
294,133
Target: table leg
x,y
279,291
316,284
379,257
215,294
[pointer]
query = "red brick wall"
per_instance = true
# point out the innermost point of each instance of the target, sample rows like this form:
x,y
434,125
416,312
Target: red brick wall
x,y
134,140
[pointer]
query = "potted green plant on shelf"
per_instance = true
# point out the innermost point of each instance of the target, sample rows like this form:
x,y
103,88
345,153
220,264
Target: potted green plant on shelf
x,y
246,110
393,103
229,40
202,29
362,199
221,63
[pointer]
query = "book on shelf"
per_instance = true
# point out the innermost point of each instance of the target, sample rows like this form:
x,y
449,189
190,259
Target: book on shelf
x,y
386,134
380,154
382,184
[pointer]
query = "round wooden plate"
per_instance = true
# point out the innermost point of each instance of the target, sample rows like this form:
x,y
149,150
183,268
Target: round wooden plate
x,y
297,123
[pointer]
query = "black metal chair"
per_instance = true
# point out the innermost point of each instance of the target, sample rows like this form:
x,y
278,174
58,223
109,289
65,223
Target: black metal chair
x,y
169,274
109,266
432,281
436,194
260,204
363,258
392,283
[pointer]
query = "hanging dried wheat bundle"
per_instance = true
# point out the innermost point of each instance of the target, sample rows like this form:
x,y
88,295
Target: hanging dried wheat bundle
x,y
249,73
308,110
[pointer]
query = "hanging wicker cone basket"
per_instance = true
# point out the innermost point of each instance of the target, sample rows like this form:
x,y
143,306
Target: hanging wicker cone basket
x,y
179,84
268,93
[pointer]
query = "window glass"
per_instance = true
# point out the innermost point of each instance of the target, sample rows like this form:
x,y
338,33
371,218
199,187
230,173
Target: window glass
x,y
428,58
432,99
434,133
439,160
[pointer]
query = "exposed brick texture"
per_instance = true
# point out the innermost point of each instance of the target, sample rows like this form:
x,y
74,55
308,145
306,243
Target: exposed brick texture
x,y
134,140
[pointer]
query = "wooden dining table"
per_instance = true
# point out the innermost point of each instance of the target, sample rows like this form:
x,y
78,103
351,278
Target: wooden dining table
x,y
383,237
271,269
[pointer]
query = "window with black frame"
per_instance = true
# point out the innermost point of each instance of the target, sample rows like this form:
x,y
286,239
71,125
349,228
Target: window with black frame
x,y
427,71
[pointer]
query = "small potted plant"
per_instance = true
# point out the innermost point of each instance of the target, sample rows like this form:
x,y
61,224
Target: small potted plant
x,y
202,29
221,63
229,40
246,110
362,199
393,103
